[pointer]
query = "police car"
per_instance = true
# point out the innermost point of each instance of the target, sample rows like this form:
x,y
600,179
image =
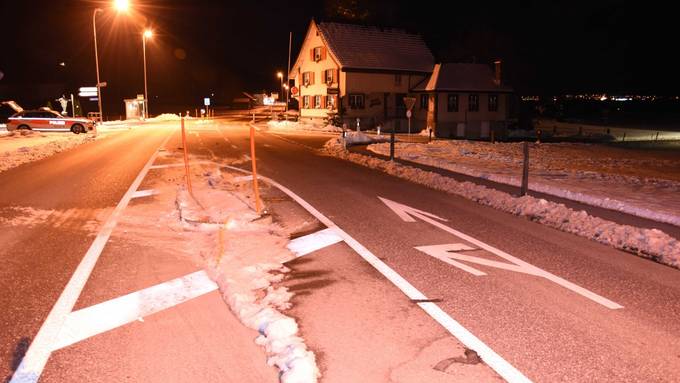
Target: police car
x,y
47,120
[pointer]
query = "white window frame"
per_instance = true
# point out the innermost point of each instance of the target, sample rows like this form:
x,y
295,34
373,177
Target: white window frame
x,y
317,54
355,97
317,101
305,102
306,77
329,73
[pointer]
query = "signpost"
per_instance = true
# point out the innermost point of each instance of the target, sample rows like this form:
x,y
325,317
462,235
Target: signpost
x,y
206,102
409,102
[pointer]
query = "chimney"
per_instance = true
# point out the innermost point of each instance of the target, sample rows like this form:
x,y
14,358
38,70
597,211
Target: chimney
x,y
497,74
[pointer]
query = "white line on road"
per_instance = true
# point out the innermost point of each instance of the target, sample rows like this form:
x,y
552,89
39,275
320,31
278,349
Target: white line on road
x,y
180,164
120,311
40,349
506,370
313,242
144,193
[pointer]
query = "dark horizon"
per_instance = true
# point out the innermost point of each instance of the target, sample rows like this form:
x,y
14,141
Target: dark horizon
x,y
209,47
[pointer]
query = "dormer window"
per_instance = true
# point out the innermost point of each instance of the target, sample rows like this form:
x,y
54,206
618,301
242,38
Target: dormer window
x,y
317,54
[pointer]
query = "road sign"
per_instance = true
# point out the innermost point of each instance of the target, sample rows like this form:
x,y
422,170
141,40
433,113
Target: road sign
x,y
294,90
409,102
102,84
408,114
206,101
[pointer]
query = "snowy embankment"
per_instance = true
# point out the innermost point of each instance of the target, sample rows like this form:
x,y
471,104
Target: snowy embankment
x,y
245,254
648,243
19,147
303,125
572,171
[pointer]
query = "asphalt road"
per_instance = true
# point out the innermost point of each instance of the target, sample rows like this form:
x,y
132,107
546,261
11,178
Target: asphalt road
x,y
548,332
56,202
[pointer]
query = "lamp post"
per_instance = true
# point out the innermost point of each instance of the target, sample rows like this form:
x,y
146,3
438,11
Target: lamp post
x,y
285,86
280,76
121,6
146,35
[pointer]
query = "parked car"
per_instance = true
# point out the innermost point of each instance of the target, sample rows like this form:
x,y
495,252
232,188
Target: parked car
x,y
48,121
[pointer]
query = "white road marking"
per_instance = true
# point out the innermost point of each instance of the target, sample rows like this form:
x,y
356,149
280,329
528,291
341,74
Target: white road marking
x,y
313,242
234,146
93,320
490,357
40,349
180,164
445,252
404,212
243,178
144,193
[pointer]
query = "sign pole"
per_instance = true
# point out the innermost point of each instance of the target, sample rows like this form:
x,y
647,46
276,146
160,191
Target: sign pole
x,y
256,190
186,158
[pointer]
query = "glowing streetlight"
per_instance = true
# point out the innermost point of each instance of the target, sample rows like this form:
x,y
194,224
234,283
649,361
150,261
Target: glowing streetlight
x,y
121,6
280,75
146,35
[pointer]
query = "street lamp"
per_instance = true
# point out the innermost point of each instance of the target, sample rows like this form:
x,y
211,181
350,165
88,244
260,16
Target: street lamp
x,y
146,35
285,86
121,6
280,75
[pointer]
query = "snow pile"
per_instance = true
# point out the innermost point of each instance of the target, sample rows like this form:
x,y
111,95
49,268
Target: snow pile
x,y
303,125
653,244
164,117
251,251
22,146
572,171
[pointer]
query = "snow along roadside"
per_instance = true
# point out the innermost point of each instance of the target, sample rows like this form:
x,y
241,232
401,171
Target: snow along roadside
x,y
250,257
648,243
593,200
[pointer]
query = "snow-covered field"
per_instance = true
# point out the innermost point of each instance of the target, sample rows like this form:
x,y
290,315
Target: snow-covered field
x,y
303,125
642,183
648,243
564,129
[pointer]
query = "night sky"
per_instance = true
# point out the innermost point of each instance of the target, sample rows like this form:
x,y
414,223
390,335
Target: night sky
x,y
225,47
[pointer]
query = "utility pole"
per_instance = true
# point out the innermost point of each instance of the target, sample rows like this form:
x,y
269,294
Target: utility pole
x,y
290,45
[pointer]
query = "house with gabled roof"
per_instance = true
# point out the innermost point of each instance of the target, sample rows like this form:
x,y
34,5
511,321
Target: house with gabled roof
x,y
467,100
359,72
363,74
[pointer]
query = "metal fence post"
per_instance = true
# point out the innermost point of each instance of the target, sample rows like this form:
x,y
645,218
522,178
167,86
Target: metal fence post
x,y
392,144
525,171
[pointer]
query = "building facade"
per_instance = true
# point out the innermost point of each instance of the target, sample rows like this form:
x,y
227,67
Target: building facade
x,y
364,74
359,73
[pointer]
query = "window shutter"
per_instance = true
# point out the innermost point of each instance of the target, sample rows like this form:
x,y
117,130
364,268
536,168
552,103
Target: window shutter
x,y
323,53
336,75
311,54
311,78
323,102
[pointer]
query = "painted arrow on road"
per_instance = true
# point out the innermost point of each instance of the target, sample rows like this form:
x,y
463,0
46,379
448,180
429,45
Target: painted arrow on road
x,y
450,253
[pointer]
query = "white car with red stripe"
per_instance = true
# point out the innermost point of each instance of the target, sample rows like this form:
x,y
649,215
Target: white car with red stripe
x,y
47,120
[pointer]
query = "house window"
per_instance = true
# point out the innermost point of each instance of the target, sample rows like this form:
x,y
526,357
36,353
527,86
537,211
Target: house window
x,y
329,76
332,101
493,103
308,78
305,102
473,103
317,53
452,103
424,99
317,102
356,101
397,79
